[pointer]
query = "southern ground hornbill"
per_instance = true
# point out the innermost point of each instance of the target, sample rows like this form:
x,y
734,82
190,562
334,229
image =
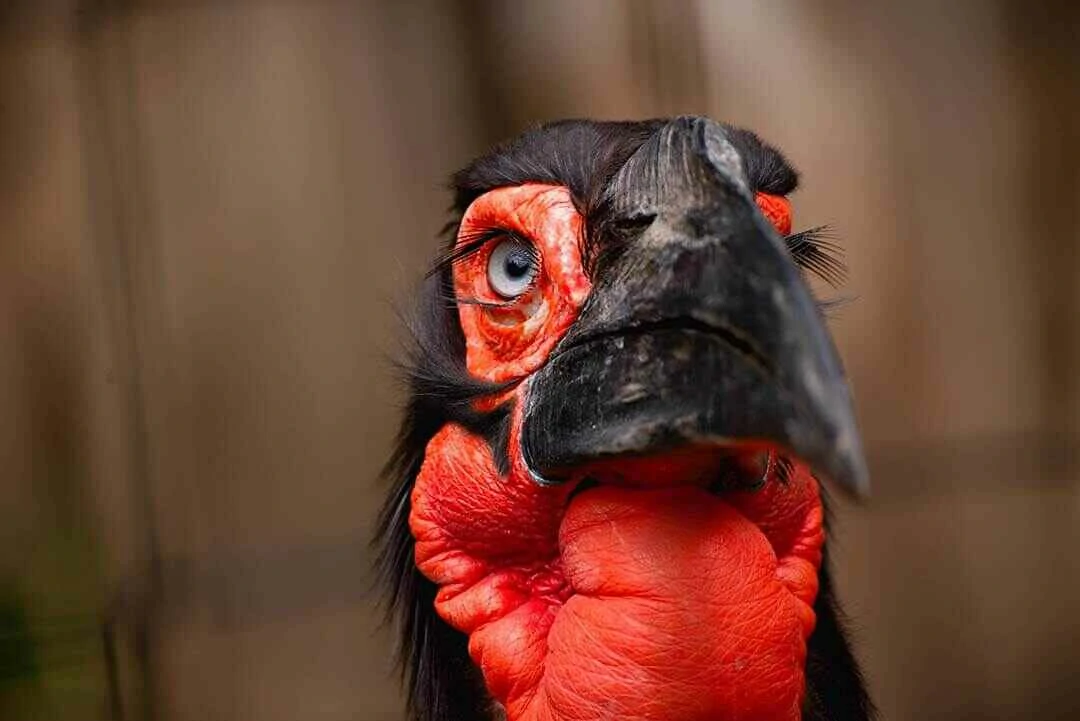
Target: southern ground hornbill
x,y
606,502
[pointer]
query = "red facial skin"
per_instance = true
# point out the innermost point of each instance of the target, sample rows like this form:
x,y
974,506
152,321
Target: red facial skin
x,y
509,343
648,598
777,209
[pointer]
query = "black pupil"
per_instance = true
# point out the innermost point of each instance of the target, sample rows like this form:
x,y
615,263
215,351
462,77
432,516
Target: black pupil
x,y
518,263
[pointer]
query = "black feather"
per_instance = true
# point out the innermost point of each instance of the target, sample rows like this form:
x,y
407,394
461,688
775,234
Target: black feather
x,y
767,170
582,155
835,688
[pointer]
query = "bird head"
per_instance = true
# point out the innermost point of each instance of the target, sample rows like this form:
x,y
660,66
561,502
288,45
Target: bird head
x,y
623,396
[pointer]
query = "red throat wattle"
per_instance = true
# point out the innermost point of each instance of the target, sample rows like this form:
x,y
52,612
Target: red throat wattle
x,y
652,598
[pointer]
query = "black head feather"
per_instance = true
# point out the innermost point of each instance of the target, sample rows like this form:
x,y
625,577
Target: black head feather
x,y
766,167
442,683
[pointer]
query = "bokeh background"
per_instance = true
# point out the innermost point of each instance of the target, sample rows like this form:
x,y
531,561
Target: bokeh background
x,y
208,211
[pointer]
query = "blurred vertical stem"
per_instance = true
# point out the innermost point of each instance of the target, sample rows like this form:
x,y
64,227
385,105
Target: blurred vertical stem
x,y
1048,59
125,254
666,45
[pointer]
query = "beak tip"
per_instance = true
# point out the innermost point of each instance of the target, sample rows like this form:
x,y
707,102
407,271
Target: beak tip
x,y
855,480
849,469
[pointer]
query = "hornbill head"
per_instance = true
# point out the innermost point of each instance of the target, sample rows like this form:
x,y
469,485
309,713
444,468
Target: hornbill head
x,y
623,394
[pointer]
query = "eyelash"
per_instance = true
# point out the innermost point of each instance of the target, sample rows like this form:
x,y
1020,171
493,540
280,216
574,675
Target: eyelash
x,y
815,251
469,245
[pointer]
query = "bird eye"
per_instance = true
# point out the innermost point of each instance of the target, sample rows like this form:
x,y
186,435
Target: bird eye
x,y
512,266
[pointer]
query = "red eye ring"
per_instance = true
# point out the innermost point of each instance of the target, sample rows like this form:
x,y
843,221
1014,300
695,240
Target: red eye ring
x,y
777,209
506,338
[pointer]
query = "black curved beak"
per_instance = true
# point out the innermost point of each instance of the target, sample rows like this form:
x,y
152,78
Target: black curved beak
x,y
699,331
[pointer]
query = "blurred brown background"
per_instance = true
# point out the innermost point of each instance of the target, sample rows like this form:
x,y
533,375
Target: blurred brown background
x,y
209,209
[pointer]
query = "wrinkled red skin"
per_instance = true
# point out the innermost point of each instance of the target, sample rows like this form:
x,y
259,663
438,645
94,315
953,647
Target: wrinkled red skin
x,y
659,601
509,343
